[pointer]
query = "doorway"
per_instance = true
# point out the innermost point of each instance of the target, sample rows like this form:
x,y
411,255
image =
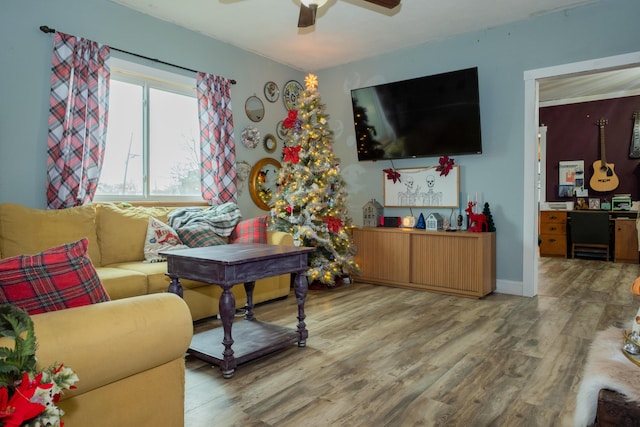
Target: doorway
x,y
533,80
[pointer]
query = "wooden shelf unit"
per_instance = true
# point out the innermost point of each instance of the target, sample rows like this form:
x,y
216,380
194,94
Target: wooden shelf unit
x,y
456,263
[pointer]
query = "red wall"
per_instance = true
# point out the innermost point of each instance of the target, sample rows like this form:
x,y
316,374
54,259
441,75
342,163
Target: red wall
x,y
573,134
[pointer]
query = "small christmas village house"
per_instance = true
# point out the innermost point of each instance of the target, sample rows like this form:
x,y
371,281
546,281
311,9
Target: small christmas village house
x,y
434,222
371,213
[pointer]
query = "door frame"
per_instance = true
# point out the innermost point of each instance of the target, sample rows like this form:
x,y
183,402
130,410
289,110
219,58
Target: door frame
x,y
532,80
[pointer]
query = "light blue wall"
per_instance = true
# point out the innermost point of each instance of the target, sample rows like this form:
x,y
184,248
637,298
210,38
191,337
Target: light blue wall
x,y
502,55
25,66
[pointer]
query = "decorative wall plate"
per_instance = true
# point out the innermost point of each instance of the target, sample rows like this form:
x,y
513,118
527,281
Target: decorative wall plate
x,y
271,91
291,93
281,131
250,137
269,143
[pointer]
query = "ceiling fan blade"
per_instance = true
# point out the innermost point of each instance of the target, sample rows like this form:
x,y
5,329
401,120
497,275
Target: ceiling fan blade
x,y
389,4
307,15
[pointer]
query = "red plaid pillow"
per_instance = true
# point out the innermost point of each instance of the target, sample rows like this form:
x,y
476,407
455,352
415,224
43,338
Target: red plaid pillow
x,y
58,278
252,230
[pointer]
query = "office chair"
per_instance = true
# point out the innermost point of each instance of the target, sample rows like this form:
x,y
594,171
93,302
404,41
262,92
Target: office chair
x,y
590,235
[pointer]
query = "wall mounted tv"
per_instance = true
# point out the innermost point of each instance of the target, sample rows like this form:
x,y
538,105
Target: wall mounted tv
x,y
423,117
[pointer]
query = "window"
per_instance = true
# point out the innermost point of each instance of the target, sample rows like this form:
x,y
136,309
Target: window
x,y
153,140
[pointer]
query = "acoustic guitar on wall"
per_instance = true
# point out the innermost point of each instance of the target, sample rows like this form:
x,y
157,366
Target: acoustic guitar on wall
x,y
604,177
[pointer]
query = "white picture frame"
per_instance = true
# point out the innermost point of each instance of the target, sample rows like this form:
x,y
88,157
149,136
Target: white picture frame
x,y
422,187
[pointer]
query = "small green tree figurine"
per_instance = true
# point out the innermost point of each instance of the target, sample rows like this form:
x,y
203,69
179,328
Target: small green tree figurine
x,y
487,212
310,200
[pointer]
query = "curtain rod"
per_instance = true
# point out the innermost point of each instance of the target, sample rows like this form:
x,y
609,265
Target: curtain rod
x,y
46,29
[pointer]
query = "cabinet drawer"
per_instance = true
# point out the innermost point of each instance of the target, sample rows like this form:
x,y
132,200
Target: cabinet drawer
x,y
553,245
553,228
553,217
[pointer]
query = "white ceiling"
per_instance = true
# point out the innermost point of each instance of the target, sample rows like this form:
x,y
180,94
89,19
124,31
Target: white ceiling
x,y
345,30
350,30
589,87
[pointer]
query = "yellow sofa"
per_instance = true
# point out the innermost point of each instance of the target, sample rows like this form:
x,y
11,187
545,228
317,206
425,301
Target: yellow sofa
x,y
128,355
116,237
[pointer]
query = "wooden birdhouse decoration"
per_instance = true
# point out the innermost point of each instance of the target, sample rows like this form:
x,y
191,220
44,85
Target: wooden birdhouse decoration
x,y
371,213
434,222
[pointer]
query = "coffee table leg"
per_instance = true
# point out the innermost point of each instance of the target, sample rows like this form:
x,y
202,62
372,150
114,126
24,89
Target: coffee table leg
x,y
300,289
175,287
248,289
227,306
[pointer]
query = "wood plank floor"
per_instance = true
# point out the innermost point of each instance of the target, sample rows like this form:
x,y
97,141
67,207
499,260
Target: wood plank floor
x,y
382,356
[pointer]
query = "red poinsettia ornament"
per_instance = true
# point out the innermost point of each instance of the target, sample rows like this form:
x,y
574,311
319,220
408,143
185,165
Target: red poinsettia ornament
x,y
392,174
446,164
292,154
291,120
333,224
14,410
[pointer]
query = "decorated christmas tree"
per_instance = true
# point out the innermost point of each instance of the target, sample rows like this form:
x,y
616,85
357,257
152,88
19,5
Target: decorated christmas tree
x,y
310,200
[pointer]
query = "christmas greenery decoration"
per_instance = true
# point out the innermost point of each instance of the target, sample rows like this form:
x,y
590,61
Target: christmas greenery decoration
x,y
16,324
310,202
28,397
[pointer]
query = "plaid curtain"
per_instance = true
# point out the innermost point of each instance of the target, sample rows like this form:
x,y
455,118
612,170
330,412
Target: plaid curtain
x,y
217,144
78,118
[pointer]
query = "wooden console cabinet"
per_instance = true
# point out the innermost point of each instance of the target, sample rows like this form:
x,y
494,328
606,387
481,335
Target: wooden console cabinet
x,y
457,263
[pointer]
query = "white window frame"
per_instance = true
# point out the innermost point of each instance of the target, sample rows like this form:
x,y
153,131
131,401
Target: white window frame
x,y
132,72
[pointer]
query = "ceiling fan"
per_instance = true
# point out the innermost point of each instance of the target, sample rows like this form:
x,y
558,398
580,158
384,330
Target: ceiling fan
x,y
308,9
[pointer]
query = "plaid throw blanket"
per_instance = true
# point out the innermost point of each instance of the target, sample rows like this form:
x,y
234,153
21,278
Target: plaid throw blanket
x,y
222,218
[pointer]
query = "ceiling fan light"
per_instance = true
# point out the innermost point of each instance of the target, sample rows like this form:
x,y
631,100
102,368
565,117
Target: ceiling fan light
x,y
318,3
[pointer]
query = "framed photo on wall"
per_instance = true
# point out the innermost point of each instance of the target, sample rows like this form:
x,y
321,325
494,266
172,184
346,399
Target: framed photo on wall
x,y
422,187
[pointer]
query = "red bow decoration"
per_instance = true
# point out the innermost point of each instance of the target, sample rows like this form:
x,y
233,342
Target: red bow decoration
x,y
291,120
333,224
446,164
392,174
292,154
289,209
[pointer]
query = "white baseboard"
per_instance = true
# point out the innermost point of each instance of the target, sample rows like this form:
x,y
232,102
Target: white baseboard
x,y
509,287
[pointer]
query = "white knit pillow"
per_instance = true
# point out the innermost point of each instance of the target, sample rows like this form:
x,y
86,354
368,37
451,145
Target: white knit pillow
x,y
160,237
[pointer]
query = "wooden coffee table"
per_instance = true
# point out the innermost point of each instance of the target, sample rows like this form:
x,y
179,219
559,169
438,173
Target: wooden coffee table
x,y
226,266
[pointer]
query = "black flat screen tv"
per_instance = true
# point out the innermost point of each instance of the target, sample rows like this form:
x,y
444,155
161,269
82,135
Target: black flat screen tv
x,y
423,117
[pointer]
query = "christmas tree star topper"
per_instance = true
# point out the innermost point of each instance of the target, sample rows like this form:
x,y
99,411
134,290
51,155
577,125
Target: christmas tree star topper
x,y
311,81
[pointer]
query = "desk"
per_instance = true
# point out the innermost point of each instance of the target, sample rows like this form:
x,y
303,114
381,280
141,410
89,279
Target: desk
x,y
554,230
226,266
